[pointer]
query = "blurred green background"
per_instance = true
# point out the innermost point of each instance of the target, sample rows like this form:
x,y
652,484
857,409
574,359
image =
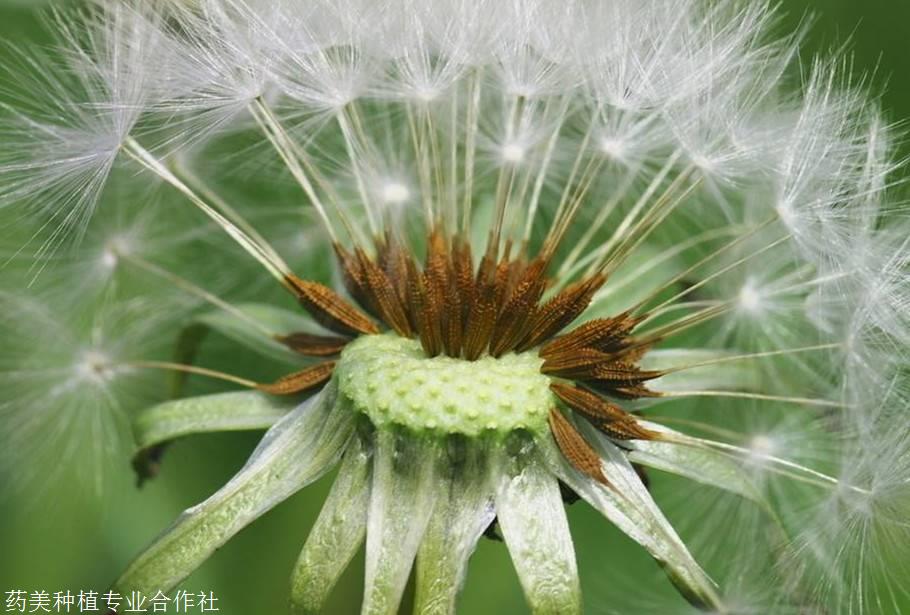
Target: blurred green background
x,y
59,540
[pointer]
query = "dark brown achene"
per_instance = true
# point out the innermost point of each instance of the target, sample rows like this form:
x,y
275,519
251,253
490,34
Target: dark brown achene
x,y
501,306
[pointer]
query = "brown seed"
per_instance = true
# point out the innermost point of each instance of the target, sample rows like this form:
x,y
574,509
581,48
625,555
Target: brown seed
x,y
298,382
623,374
393,260
622,380
313,345
435,281
580,363
417,302
453,316
628,392
515,317
504,276
463,268
459,295
607,417
575,448
605,334
329,309
484,308
354,278
559,312
383,295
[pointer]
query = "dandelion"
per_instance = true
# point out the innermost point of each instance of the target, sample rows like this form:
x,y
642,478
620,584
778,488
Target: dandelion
x,y
65,385
571,242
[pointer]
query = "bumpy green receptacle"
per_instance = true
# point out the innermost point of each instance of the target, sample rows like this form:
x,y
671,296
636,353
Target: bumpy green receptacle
x,y
392,381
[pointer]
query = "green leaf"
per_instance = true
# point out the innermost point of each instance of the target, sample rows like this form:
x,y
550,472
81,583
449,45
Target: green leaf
x,y
336,535
464,509
533,522
627,503
297,450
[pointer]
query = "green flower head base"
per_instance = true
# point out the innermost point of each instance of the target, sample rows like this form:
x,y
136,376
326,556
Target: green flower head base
x,y
391,380
529,224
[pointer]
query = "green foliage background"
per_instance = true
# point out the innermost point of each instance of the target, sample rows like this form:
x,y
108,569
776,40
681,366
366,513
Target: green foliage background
x,y
58,539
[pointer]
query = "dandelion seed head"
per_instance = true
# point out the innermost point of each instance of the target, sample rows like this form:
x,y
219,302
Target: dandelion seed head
x,y
109,258
512,152
395,193
113,249
94,365
67,393
762,445
750,298
572,218
613,146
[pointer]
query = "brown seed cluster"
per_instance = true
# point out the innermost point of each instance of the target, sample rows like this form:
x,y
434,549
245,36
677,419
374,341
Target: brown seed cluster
x,y
465,312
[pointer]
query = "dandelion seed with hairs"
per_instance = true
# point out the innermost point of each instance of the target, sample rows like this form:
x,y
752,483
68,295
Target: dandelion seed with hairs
x,y
572,242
